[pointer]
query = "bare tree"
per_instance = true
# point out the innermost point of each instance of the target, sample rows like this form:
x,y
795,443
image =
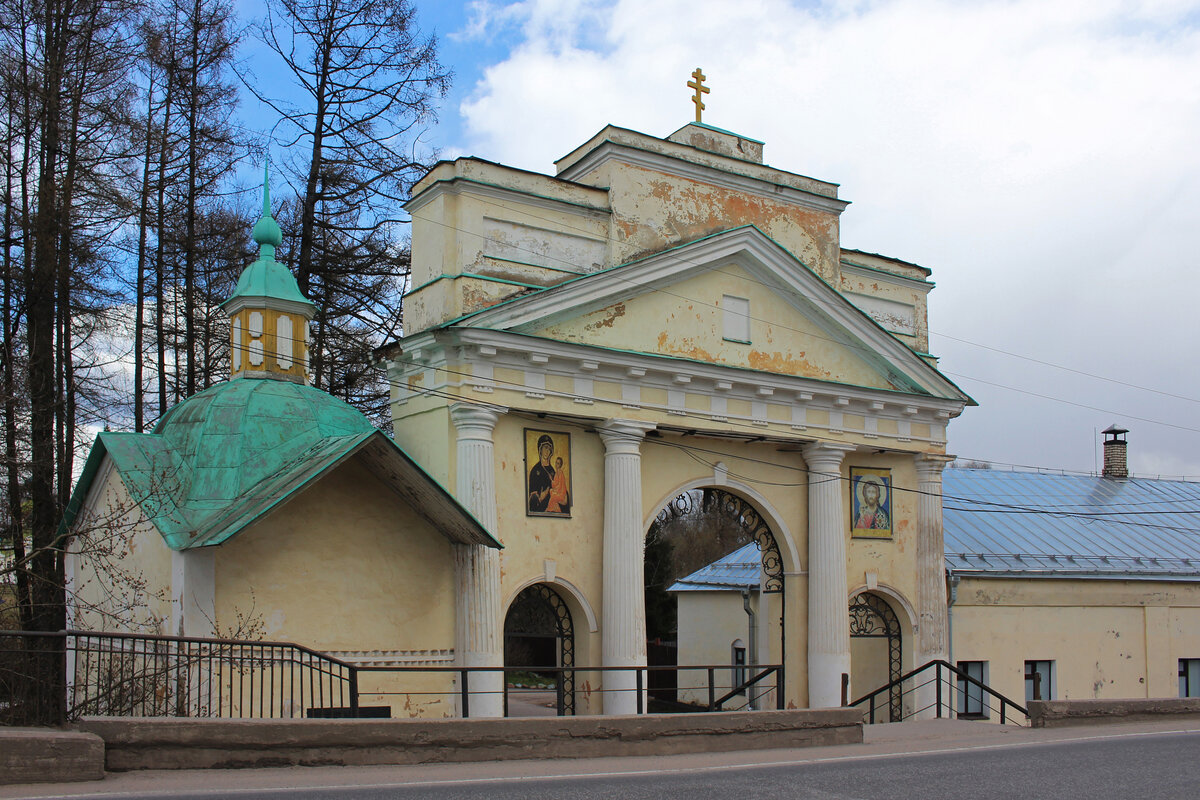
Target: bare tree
x,y
370,80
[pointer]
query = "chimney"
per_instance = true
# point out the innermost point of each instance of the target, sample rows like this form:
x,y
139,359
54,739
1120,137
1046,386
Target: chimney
x,y
1115,462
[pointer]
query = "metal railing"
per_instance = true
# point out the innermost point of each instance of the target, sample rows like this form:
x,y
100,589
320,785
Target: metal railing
x,y
144,675
917,687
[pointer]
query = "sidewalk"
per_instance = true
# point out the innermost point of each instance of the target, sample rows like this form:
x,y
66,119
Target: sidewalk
x,y
881,741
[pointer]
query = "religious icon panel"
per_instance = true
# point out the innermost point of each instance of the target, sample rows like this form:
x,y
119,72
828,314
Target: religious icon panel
x,y
547,473
871,502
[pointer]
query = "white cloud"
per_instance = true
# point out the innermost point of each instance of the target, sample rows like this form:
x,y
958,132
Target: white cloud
x,y
1039,156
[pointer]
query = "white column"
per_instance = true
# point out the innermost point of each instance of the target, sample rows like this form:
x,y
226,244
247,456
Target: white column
x,y
193,593
932,624
623,624
479,631
931,560
828,601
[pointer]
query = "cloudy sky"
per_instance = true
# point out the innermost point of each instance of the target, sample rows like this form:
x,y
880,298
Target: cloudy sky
x,y
1041,157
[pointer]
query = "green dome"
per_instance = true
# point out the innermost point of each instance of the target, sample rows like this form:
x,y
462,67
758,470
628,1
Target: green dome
x,y
244,431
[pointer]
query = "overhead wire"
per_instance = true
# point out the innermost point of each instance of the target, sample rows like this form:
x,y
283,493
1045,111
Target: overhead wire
x,y
841,342
610,239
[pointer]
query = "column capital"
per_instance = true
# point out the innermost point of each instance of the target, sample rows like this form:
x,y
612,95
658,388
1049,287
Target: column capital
x,y
623,435
826,456
930,465
477,418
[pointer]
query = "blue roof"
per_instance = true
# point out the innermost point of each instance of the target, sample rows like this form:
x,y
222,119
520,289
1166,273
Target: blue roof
x,y
1030,524
741,569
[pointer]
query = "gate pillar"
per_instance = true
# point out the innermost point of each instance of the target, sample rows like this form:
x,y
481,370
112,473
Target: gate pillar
x,y
828,615
623,622
932,623
479,624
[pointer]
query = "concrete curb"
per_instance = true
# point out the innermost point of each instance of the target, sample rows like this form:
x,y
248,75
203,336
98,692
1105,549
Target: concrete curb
x,y
1059,713
223,744
40,755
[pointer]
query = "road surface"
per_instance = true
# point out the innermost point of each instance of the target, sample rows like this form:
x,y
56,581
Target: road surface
x,y
922,761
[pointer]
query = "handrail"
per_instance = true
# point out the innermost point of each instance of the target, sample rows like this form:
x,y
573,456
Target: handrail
x,y
937,665
122,673
159,637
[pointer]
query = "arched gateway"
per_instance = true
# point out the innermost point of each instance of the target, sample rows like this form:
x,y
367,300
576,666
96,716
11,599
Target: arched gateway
x,y
539,633
876,649
688,548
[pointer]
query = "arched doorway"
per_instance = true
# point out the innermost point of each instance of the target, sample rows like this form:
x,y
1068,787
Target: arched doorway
x,y
708,540
539,633
876,652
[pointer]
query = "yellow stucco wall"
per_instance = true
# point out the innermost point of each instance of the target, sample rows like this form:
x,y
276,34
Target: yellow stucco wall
x,y
345,549
1108,639
122,579
686,320
653,210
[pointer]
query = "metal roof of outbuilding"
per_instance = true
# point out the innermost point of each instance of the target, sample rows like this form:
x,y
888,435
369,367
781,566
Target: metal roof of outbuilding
x,y
741,569
1031,524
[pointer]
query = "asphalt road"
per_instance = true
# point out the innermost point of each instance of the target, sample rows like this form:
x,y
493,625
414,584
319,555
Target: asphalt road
x,y
1096,764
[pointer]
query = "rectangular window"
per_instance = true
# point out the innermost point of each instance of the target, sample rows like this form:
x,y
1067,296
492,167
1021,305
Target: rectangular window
x,y
972,701
737,318
1039,680
1189,677
739,666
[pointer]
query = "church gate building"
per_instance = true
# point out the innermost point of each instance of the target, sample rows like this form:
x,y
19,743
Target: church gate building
x,y
664,316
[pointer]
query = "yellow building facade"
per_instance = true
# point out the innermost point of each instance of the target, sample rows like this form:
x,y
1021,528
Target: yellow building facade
x,y
673,315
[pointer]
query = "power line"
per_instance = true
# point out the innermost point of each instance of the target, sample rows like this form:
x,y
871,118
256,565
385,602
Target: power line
x,y
610,239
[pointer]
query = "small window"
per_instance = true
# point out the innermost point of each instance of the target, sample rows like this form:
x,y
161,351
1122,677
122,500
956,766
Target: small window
x,y
283,341
1039,680
739,664
237,344
255,329
972,702
1189,677
737,318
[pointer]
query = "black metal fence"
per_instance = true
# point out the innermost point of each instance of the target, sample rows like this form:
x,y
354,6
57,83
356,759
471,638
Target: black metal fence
x,y
48,678
940,687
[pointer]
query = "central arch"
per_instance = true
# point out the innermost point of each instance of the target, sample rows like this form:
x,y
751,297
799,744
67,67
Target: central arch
x,y
698,534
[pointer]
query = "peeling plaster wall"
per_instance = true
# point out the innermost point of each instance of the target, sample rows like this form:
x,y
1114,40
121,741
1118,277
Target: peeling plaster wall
x,y
502,228
653,211
686,320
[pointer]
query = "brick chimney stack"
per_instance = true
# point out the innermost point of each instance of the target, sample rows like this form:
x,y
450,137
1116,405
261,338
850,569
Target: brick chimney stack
x,y
1116,464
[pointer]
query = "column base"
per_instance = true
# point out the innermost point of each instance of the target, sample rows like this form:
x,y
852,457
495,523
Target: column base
x,y
486,695
620,692
825,672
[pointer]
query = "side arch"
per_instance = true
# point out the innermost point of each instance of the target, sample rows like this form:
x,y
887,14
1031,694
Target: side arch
x,y
567,588
908,622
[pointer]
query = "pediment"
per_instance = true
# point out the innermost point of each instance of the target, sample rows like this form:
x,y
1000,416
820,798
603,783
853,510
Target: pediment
x,y
686,303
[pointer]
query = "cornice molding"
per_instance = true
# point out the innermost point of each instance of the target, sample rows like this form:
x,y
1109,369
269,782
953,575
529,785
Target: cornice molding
x,y
460,185
447,356
884,275
671,165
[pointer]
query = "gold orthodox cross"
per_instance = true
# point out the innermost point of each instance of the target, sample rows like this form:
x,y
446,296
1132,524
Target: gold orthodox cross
x,y
701,90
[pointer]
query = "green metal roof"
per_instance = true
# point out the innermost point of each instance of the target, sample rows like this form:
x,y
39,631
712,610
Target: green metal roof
x,y
227,456
267,278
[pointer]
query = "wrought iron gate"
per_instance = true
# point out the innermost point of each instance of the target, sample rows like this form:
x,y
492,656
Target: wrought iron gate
x,y
871,616
539,612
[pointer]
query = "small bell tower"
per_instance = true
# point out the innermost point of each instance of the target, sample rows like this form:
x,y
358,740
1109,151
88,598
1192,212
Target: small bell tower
x,y
268,316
